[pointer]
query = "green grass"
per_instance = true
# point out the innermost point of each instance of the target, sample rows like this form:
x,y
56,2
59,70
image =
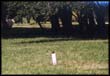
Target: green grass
x,y
33,56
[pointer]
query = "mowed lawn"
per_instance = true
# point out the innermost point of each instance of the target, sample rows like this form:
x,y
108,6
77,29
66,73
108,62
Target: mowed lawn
x,y
33,56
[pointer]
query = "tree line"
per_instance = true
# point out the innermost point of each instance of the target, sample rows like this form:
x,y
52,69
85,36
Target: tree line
x,y
88,14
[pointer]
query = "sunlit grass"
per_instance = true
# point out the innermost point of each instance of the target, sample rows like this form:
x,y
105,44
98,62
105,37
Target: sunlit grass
x,y
33,56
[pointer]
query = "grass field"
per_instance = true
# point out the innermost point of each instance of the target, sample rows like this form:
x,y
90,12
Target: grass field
x,y
33,56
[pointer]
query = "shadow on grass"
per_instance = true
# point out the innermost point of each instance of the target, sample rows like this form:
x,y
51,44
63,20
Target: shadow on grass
x,y
52,40
47,40
37,32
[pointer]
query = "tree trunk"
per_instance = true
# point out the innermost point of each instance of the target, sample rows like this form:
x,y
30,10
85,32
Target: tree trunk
x,y
66,18
100,18
83,21
55,23
4,24
28,19
39,20
91,28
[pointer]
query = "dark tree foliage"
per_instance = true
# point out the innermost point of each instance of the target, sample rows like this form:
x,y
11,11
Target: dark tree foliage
x,y
55,10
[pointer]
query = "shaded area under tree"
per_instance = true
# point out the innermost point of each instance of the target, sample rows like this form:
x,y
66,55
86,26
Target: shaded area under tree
x,y
38,32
